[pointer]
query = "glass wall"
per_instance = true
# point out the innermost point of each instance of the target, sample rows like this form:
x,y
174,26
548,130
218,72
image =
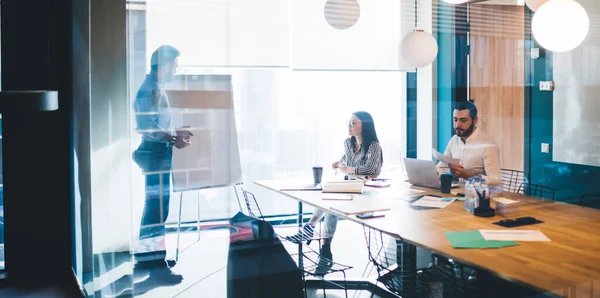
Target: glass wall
x,y
291,99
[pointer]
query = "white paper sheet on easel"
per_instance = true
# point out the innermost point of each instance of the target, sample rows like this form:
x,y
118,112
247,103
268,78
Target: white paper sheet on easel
x,y
443,158
516,235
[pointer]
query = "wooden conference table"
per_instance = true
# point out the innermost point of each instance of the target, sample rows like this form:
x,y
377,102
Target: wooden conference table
x,y
571,260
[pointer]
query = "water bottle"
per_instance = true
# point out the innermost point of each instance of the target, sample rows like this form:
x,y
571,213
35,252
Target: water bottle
x,y
469,194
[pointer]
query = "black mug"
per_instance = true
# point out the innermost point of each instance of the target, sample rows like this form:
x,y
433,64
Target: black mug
x,y
317,174
445,183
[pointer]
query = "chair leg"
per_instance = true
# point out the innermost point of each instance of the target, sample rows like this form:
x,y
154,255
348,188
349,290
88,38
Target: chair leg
x,y
324,294
304,285
345,284
198,216
374,287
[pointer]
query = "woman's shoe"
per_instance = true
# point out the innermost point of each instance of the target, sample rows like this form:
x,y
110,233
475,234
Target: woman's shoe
x,y
325,260
306,233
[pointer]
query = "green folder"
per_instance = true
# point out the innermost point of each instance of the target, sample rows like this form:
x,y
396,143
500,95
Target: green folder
x,y
473,239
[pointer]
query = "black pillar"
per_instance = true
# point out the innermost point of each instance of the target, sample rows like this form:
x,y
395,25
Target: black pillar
x,y
36,55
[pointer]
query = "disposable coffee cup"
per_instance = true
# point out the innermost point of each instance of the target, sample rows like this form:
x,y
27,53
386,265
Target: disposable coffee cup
x,y
317,174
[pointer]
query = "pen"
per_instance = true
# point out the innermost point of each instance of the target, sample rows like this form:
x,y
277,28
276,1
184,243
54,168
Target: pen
x,y
458,194
380,179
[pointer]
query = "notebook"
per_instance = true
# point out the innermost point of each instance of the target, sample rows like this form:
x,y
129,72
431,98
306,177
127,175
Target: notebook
x,y
346,186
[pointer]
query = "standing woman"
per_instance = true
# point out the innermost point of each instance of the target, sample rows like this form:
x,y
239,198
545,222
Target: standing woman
x,y
362,157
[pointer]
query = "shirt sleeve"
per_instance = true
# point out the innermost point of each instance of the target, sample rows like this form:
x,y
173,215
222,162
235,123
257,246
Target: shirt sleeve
x,y
373,161
491,164
146,115
347,148
442,168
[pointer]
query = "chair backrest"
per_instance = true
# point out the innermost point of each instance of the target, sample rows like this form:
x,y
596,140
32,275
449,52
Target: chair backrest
x,y
590,200
536,190
252,205
382,253
512,180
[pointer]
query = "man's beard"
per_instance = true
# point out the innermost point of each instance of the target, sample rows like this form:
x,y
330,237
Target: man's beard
x,y
467,132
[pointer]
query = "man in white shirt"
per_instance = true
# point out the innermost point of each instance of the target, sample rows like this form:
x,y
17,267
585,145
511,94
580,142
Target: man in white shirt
x,y
479,155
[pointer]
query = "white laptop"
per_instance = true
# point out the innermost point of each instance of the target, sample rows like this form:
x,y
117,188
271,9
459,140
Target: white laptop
x,y
423,173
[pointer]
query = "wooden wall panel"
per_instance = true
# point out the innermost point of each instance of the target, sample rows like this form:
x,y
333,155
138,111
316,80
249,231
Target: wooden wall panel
x,y
497,75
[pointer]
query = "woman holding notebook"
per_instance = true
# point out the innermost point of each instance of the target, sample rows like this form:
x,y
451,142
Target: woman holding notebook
x,y
362,157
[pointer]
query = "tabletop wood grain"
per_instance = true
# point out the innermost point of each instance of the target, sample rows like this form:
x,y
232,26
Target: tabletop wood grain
x,y
571,259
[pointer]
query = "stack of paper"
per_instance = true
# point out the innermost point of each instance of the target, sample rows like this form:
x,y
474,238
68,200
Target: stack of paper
x,y
346,186
443,158
474,239
506,207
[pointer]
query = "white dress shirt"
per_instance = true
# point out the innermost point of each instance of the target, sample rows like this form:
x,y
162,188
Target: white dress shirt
x,y
478,154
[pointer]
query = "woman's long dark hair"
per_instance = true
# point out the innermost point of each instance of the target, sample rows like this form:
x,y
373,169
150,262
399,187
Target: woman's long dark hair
x,y
369,135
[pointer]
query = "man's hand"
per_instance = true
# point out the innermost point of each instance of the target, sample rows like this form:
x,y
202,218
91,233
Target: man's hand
x,y
182,139
181,142
460,172
184,133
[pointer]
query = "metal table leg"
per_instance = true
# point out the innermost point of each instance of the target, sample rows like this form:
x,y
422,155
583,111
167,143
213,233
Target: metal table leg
x,y
300,263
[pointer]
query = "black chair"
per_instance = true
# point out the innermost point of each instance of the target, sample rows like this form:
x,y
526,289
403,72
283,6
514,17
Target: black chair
x,y
292,233
310,265
512,180
382,250
590,200
306,259
536,190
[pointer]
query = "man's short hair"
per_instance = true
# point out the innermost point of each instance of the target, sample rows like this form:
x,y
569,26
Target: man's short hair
x,y
467,105
163,55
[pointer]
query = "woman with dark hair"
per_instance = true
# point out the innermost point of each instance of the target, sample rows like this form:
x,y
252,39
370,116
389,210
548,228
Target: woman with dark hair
x,y
362,157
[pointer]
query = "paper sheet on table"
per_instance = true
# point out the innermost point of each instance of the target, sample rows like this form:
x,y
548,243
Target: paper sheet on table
x,y
364,205
516,235
443,158
433,202
337,197
473,239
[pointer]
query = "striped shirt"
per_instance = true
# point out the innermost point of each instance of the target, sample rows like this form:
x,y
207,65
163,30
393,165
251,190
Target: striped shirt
x,y
368,163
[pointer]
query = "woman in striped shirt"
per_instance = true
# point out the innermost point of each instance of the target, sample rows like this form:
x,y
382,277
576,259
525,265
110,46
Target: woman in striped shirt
x,y
362,157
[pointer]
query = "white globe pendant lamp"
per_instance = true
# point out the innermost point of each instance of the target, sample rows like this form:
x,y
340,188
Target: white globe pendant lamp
x,y
560,25
455,1
418,48
534,4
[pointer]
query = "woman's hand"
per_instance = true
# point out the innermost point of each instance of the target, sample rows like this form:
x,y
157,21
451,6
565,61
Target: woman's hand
x,y
347,169
335,165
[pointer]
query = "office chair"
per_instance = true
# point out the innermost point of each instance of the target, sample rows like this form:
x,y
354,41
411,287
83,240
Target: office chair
x,y
512,179
310,265
536,190
307,259
590,200
291,234
383,255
